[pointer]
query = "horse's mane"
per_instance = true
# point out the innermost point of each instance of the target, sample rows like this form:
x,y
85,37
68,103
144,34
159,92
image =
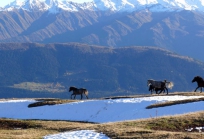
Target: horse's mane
x,y
72,88
199,78
149,82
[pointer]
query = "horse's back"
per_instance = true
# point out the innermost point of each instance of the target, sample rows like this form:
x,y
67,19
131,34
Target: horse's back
x,y
156,84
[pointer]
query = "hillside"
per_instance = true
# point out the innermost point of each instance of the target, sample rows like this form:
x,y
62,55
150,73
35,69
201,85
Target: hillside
x,y
47,70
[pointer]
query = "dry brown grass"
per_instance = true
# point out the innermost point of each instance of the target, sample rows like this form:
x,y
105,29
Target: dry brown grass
x,y
169,127
187,93
170,103
32,129
42,102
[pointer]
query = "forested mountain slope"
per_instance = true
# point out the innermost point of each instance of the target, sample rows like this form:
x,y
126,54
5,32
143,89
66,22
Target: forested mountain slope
x,y
47,70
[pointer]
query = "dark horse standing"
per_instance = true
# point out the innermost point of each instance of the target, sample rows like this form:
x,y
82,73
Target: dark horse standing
x,y
159,86
77,91
199,81
152,88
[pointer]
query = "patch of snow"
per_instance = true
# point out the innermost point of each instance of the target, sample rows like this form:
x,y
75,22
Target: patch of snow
x,y
100,111
199,129
54,6
82,134
17,100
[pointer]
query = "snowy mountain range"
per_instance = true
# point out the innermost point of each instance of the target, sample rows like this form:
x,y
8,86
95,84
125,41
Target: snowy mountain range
x,y
54,6
176,25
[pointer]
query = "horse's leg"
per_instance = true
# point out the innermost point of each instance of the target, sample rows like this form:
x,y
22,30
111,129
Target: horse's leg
x,y
201,89
196,88
162,89
81,95
150,91
155,90
85,94
74,96
166,91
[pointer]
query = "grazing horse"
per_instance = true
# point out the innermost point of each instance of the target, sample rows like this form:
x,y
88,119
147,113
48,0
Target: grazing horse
x,y
199,81
159,85
77,91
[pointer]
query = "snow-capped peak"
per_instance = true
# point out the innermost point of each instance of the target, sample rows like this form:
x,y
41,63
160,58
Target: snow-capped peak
x,y
54,5
15,4
111,5
27,5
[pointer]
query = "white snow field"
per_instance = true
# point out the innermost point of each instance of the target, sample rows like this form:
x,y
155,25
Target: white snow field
x,y
99,111
83,134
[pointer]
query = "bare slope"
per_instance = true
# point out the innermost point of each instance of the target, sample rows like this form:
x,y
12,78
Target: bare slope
x,y
180,31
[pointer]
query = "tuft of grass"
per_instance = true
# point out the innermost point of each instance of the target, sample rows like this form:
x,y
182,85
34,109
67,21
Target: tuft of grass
x,y
177,123
17,124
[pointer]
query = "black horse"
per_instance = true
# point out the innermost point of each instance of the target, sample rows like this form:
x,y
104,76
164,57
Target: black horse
x,y
153,88
199,81
77,91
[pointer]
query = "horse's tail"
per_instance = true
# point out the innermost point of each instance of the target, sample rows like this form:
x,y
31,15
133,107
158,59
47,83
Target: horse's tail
x,y
86,92
169,85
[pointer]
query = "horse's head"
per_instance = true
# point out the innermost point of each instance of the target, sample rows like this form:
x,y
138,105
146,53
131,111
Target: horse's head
x,y
151,87
72,88
149,82
197,79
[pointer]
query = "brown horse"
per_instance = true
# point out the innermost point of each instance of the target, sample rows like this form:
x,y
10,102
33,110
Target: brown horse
x,y
77,91
199,81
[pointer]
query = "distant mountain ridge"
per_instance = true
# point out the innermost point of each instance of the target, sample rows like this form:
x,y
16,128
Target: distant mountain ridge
x,y
54,6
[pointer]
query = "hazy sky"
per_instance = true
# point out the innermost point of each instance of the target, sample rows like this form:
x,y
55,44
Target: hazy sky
x,y
5,2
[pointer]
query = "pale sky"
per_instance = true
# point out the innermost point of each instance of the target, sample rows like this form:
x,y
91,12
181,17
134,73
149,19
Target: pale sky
x,y
5,2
